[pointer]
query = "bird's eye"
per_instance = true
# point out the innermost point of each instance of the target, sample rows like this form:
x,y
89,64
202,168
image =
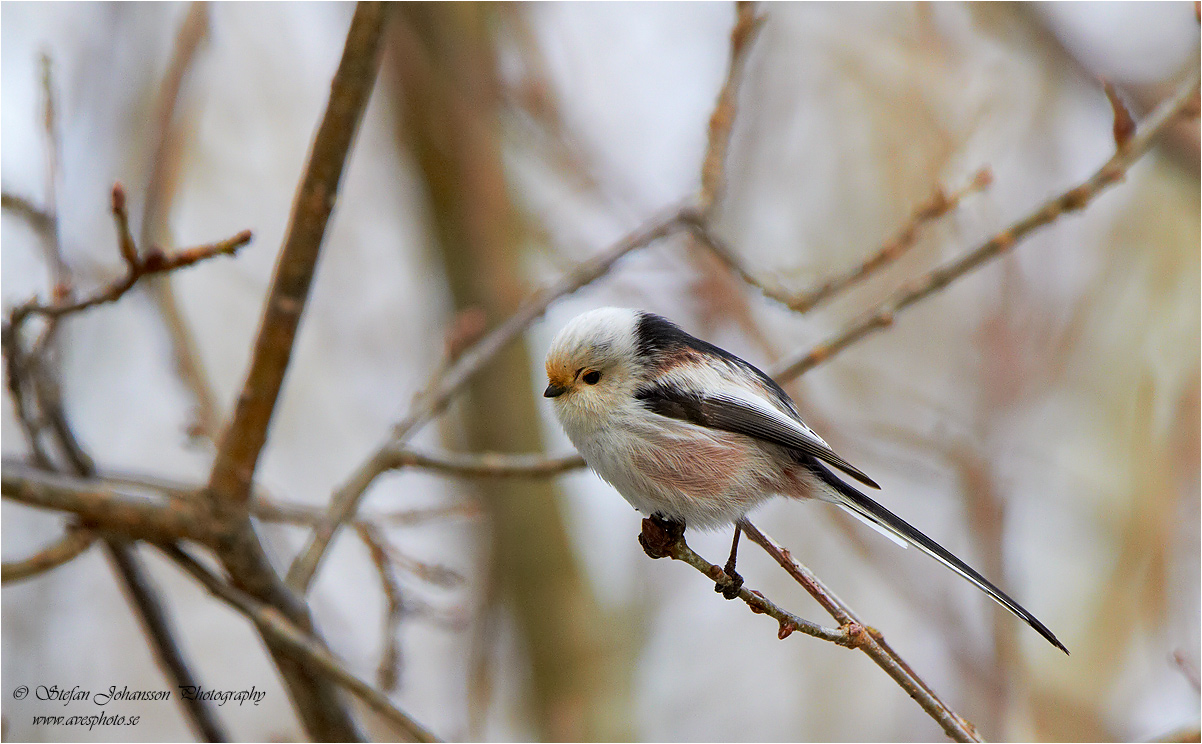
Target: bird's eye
x,y
592,377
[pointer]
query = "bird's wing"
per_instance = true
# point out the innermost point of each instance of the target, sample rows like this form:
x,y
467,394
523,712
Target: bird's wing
x,y
744,413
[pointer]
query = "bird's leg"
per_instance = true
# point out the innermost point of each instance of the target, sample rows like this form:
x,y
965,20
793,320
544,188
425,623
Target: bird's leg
x,y
659,535
730,589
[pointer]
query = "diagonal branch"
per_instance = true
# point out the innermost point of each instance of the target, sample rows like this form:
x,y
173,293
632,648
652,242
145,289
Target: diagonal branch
x,y
1076,198
722,120
154,262
873,643
937,206
66,549
275,625
243,440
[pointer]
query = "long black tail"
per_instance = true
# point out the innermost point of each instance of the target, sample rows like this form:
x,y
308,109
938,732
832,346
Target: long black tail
x,y
865,508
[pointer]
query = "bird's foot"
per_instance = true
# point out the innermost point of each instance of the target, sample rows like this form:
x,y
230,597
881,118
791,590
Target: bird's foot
x,y
731,583
660,535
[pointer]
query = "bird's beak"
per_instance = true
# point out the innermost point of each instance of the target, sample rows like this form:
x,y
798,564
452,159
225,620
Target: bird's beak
x,y
554,391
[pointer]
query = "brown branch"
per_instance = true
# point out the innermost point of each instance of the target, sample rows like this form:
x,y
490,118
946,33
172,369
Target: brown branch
x,y
722,120
105,509
192,33
143,595
659,542
275,625
873,643
137,267
66,549
34,374
485,464
937,206
445,383
160,192
1073,200
39,219
388,672
243,440
52,243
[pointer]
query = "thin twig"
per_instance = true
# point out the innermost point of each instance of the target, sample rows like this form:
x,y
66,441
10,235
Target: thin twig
x,y
1187,668
937,206
52,243
1074,199
485,464
274,624
445,383
388,672
39,219
66,549
873,644
160,191
157,625
661,543
241,443
153,262
722,120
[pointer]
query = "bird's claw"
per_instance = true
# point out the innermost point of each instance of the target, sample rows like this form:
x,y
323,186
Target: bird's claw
x,y
730,584
659,535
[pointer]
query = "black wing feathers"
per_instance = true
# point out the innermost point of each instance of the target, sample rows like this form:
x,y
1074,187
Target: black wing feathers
x,y
657,338
729,414
873,511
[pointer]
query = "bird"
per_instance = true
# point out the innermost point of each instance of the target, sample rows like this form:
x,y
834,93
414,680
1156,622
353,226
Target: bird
x,y
692,435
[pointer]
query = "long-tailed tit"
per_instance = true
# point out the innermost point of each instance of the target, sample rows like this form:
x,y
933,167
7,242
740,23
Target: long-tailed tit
x,y
692,434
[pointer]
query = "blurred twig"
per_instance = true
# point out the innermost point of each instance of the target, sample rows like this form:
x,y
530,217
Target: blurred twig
x,y
388,672
38,218
485,464
64,550
722,120
1187,668
272,623
160,191
1074,199
136,267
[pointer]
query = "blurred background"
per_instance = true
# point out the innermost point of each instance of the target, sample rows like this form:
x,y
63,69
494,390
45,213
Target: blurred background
x,y
1039,418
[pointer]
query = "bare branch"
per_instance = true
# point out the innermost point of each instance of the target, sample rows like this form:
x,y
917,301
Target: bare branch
x,y
154,262
388,672
873,644
275,625
110,510
1124,125
38,218
722,120
485,464
241,443
1074,199
660,543
160,191
66,549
